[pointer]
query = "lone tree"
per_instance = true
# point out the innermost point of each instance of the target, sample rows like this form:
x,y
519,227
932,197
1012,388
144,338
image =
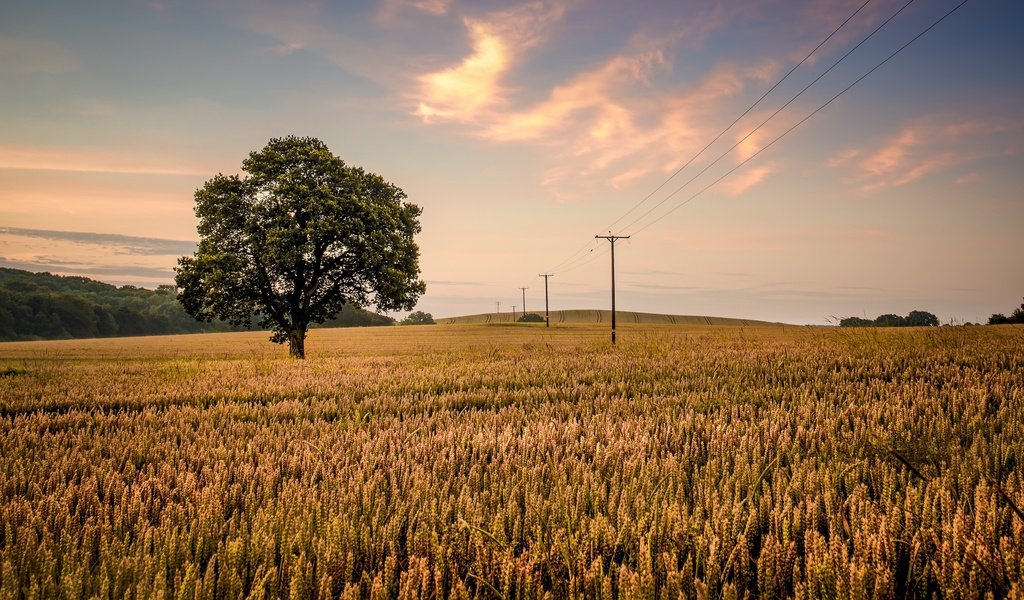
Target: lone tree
x,y
419,318
296,239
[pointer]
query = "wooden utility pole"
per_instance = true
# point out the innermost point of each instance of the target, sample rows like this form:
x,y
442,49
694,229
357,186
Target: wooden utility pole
x,y
547,316
524,300
611,238
499,307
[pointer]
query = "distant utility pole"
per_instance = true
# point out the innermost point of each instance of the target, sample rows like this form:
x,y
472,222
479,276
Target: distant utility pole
x,y
547,318
611,238
499,307
524,300
513,313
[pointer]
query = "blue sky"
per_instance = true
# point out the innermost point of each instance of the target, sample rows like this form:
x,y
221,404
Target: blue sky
x,y
524,129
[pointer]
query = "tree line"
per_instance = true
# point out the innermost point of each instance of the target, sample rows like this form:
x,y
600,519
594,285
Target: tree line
x,y
1016,317
42,306
916,318
920,318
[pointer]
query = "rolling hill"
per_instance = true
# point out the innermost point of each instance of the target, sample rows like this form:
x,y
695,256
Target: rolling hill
x,y
605,316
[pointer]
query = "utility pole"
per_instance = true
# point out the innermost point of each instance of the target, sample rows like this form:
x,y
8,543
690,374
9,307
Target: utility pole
x,y
524,300
547,317
611,238
499,307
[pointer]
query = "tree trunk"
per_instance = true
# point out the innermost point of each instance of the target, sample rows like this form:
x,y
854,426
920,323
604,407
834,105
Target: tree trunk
x,y
297,343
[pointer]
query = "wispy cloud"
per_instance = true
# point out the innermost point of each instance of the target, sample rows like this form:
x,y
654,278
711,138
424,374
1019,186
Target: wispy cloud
x,y
968,178
124,244
453,283
607,126
461,92
601,121
35,55
38,158
143,275
738,184
305,25
390,9
593,93
623,178
660,287
102,256
287,48
932,144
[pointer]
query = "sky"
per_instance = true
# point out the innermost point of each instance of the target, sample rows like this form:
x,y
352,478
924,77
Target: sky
x,y
524,129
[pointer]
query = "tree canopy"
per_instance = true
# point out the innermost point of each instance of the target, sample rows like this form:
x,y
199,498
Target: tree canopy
x,y
916,318
299,237
418,318
36,306
41,306
1016,317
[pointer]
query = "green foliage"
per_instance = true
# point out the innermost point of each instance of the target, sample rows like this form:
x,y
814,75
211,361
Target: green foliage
x,y
916,318
531,318
418,318
44,306
35,306
300,237
351,316
920,318
890,320
1017,317
856,322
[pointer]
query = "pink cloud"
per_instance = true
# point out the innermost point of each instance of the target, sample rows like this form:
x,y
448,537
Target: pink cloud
x,y
927,146
623,178
925,166
891,156
600,119
749,145
967,179
745,180
88,161
461,92
604,125
843,157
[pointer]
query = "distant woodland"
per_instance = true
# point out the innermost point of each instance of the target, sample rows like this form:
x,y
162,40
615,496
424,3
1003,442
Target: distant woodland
x,y
41,306
916,318
1015,318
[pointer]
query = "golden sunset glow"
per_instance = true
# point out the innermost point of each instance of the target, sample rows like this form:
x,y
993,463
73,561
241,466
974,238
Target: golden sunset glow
x,y
523,129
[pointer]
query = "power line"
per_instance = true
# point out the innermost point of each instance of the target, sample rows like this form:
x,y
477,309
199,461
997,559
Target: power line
x,y
773,115
745,113
590,244
588,259
575,260
805,119
583,250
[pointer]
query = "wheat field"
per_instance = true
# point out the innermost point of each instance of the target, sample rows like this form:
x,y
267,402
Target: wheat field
x,y
516,462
